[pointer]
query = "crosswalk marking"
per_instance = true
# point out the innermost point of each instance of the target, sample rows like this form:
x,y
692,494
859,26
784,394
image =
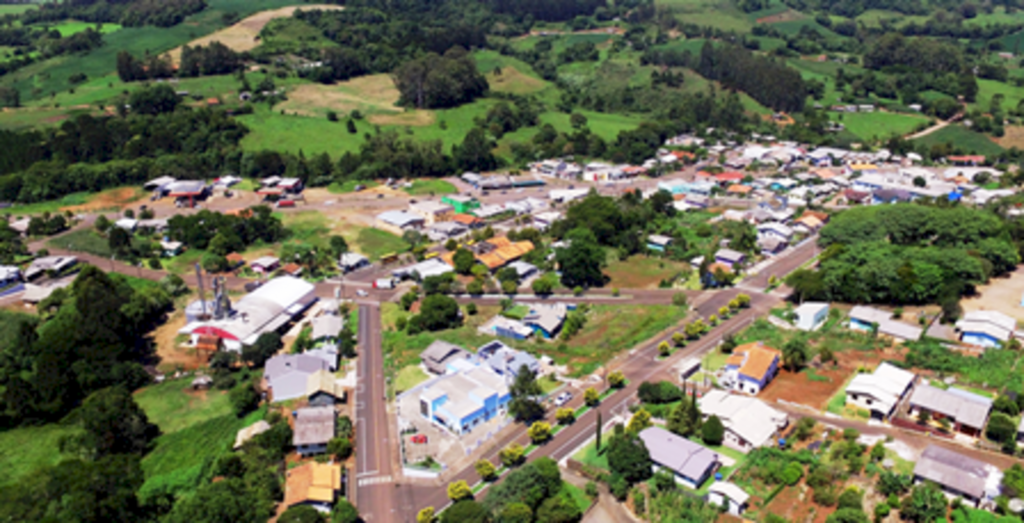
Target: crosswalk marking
x,y
374,481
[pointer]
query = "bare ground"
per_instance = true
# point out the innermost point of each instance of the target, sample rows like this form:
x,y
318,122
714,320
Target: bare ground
x,y
112,199
1001,294
1014,137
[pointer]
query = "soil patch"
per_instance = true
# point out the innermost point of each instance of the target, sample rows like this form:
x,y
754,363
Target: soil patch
x,y
114,198
368,94
243,35
1001,294
172,355
511,80
814,387
412,118
786,16
1014,137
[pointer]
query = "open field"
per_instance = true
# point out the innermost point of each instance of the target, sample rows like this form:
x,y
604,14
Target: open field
x,y
641,272
510,79
1000,294
25,449
174,406
243,35
879,125
1014,137
987,89
962,138
430,188
111,199
315,228
71,27
409,377
270,130
370,95
15,9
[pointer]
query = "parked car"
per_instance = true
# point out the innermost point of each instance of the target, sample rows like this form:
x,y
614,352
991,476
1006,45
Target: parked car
x,y
562,399
362,293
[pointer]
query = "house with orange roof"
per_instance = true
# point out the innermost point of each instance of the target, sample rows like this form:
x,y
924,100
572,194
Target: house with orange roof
x,y
729,177
807,224
315,484
739,189
751,367
468,220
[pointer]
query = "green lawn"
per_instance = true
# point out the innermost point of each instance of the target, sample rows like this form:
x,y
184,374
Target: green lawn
x,y
588,455
23,450
577,495
51,206
987,89
173,406
83,240
375,243
549,384
15,9
642,272
71,27
409,377
430,188
879,125
315,228
961,138
270,130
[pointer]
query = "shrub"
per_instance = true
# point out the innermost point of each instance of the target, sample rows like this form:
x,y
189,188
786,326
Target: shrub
x,y
511,455
591,397
712,432
565,416
1001,428
486,470
539,432
459,490
792,473
619,487
617,380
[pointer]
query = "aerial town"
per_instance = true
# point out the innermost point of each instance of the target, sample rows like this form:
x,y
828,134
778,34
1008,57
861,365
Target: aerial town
x,y
468,261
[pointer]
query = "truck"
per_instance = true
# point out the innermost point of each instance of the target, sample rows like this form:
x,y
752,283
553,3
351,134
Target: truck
x,y
384,283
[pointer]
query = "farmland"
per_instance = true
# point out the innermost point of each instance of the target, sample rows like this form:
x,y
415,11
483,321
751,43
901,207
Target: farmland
x,y
880,125
961,138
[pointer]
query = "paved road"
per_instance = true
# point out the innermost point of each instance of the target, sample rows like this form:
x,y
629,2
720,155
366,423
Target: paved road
x,y
640,366
374,467
784,265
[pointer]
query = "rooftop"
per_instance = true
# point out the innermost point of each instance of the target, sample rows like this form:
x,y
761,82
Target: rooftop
x,y
964,407
753,359
952,470
313,426
679,454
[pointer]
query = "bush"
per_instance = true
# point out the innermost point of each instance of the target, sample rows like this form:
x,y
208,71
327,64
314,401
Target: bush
x,y
792,473
660,392
712,432
539,432
511,455
591,489
1001,428
471,309
486,470
619,487
851,498
340,448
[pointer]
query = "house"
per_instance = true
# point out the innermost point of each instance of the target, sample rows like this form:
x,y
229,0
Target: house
x,y
423,269
468,220
856,197
958,476
751,367
292,269
158,185
323,390
862,318
269,308
808,224
778,230
811,315
749,422
966,411
351,261
989,329
971,160
234,260
186,192
326,327
55,264
463,400
20,226
432,212
880,391
171,249
506,361
9,274
460,203
739,190
488,211
314,427
398,222
899,331
442,231
546,319
523,270
506,328
36,293
658,242
127,224
315,484
730,257
687,368
441,357
250,432
202,383
891,196
690,463
771,245
286,376
265,265
543,220
728,495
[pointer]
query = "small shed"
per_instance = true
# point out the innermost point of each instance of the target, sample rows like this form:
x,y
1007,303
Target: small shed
x,y
202,383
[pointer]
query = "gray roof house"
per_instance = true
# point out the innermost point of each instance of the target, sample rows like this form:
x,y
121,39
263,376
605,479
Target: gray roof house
x,y
327,326
546,319
505,360
442,357
314,427
287,375
691,463
967,411
956,474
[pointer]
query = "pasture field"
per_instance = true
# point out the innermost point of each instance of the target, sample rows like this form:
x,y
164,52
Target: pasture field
x,y
71,27
963,138
987,89
50,76
641,272
720,14
24,450
315,228
270,130
430,188
879,125
15,9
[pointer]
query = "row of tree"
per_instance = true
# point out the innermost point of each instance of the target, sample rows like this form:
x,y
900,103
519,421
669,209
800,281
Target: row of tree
x,y
130,13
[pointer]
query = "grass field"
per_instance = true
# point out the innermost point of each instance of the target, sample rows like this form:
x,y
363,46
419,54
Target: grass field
x,y
720,14
270,130
51,206
25,449
15,9
962,138
641,272
430,188
879,125
84,240
71,27
173,405
409,377
987,89
315,228
350,186
589,455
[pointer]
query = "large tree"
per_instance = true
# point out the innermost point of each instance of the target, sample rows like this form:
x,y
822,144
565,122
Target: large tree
x,y
525,404
581,261
112,423
628,457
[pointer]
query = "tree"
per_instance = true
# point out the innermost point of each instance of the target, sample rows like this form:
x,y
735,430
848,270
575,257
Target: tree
x,y
664,349
466,511
463,260
678,339
119,240
591,397
111,423
459,490
525,391
582,260
919,181
616,380
539,432
425,515
340,448
893,484
542,286
227,500
712,432
344,512
743,300
474,154
244,399
301,514
511,455
680,299
266,346
1001,428
485,469
338,245
437,312
851,498
559,509
597,432
794,354
641,420
565,416
629,458
925,504
848,515
154,100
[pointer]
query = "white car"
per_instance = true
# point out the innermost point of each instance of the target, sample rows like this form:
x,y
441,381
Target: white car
x,y
362,293
562,399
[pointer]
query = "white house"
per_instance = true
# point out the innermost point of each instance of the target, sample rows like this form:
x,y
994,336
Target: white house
x,y
778,230
880,391
749,422
811,315
723,493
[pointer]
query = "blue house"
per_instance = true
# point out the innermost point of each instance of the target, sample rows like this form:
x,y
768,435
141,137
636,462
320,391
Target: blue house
x,y
861,318
730,257
657,242
988,329
546,320
460,402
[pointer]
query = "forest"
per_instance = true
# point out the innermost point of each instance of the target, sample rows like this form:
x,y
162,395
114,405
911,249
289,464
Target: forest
x,y
130,13
907,254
